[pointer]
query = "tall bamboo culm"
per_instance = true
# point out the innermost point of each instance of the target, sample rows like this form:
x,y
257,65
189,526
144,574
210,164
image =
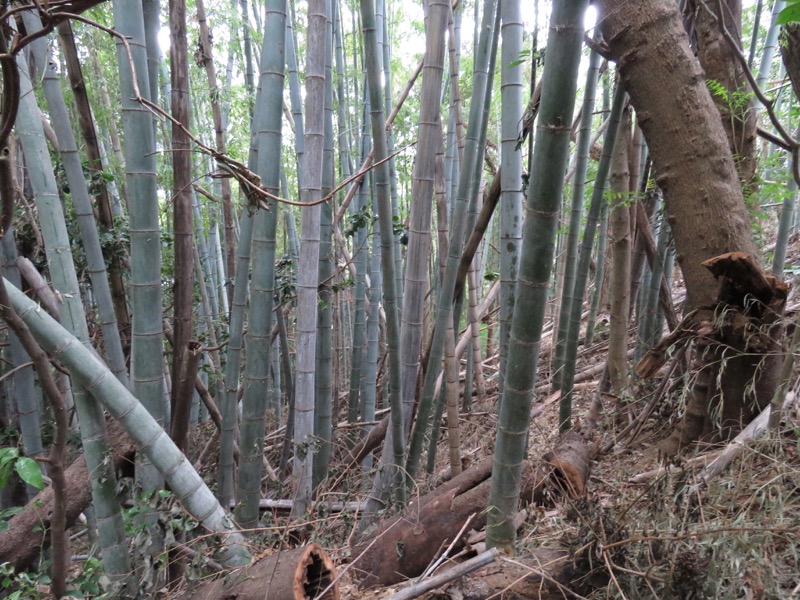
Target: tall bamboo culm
x,y
551,151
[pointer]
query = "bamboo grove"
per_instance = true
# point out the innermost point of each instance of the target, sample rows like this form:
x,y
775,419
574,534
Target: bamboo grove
x,y
286,248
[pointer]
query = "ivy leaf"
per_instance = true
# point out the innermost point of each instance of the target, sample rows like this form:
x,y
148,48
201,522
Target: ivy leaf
x,y
29,472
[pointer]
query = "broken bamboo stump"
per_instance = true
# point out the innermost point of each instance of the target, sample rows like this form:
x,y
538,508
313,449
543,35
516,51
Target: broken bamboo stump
x,y
564,471
305,573
403,546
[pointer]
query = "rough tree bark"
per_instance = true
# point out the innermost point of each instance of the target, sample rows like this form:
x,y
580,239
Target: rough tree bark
x,y
18,545
693,164
692,161
790,53
721,66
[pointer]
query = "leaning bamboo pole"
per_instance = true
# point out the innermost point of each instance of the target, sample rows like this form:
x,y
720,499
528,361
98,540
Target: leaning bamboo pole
x,y
149,437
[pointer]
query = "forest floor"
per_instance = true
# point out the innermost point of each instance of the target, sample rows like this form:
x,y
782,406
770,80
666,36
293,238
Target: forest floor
x,y
643,529
663,534
735,537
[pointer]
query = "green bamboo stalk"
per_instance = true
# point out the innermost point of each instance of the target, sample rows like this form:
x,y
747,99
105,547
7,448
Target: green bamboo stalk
x,y
384,205
147,373
550,156
206,274
770,45
22,391
65,281
79,191
472,162
602,237
358,213
599,271
422,189
756,33
419,244
345,165
785,225
215,93
578,186
249,81
582,275
323,397
511,198
472,211
262,285
619,223
649,316
384,50
230,402
368,396
307,274
151,13
295,97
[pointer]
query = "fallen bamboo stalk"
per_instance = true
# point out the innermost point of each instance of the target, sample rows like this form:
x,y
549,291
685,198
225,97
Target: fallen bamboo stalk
x,y
714,463
416,589
646,476
286,505
439,515
752,432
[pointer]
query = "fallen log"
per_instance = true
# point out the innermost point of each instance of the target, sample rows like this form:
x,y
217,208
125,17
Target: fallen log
x,y
19,545
403,546
305,573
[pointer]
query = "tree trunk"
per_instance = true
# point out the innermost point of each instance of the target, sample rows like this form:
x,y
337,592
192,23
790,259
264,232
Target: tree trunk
x,y
183,288
297,574
693,166
721,66
790,52
18,545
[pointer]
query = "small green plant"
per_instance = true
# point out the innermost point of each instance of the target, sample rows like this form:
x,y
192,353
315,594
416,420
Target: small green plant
x,y
90,581
23,585
26,468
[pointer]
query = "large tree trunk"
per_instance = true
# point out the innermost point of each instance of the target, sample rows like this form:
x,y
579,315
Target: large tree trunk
x,y
692,161
721,66
693,164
